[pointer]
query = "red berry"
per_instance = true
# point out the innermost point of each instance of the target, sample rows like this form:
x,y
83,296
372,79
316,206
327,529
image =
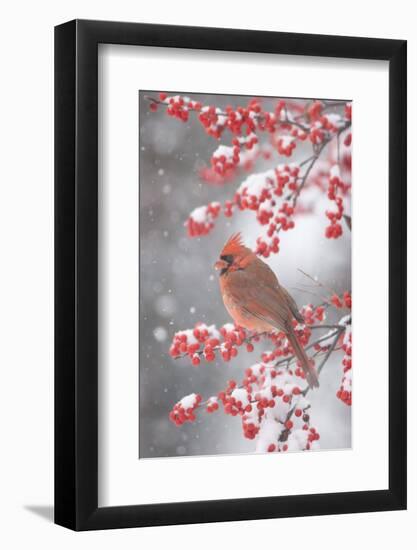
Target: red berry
x,y
195,360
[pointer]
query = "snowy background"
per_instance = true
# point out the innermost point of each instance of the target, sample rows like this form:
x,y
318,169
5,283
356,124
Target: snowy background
x,y
178,287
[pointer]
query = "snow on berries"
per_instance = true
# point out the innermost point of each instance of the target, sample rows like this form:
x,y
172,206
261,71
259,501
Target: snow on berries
x,y
286,145
212,404
184,410
265,402
225,158
204,341
261,193
270,398
250,132
201,219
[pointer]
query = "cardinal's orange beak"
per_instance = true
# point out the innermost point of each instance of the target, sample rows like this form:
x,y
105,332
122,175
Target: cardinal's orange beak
x,y
221,264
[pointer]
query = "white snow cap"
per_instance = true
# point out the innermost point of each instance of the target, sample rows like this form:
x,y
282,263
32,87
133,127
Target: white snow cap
x,y
188,401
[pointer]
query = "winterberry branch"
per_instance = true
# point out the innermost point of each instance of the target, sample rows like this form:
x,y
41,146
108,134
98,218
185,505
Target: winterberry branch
x,y
259,192
220,112
271,399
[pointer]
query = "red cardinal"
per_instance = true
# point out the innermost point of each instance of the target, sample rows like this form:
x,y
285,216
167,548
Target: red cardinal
x,y
255,299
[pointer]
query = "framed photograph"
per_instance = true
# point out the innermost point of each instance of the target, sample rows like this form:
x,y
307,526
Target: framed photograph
x,y
230,244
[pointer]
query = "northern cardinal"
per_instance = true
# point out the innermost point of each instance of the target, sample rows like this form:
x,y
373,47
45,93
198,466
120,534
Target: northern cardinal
x,y
256,301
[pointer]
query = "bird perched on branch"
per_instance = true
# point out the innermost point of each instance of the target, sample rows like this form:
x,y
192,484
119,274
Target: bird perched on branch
x,y
256,301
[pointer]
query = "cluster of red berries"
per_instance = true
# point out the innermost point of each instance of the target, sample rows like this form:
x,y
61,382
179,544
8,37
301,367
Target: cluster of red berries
x,y
314,110
222,171
244,123
259,193
266,248
177,106
250,430
278,408
184,410
212,405
234,337
344,301
332,122
344,393
225,159
313,314
303,438
201,220
271,392
323,125
239,121
336,191
286,145
236,401
257,189
284,216
313,435
213,121
204,341
270,398
193,342
316,136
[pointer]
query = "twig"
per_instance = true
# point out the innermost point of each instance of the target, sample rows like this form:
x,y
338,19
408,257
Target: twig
x,y
314,158
316,282
325,301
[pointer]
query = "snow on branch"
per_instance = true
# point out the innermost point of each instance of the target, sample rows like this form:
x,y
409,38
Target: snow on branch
x,y
271,398
273,194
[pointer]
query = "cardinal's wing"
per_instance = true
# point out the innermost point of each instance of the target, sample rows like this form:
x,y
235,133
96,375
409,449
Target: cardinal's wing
x,y
260,299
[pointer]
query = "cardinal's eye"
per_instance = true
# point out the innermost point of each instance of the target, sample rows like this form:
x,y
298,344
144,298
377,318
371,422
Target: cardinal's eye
x,y
228,258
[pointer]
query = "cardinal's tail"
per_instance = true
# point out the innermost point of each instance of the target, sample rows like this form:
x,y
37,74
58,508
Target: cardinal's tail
x,y
309,371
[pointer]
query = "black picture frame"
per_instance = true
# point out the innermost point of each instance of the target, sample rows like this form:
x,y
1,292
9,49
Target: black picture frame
x,y
76,272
